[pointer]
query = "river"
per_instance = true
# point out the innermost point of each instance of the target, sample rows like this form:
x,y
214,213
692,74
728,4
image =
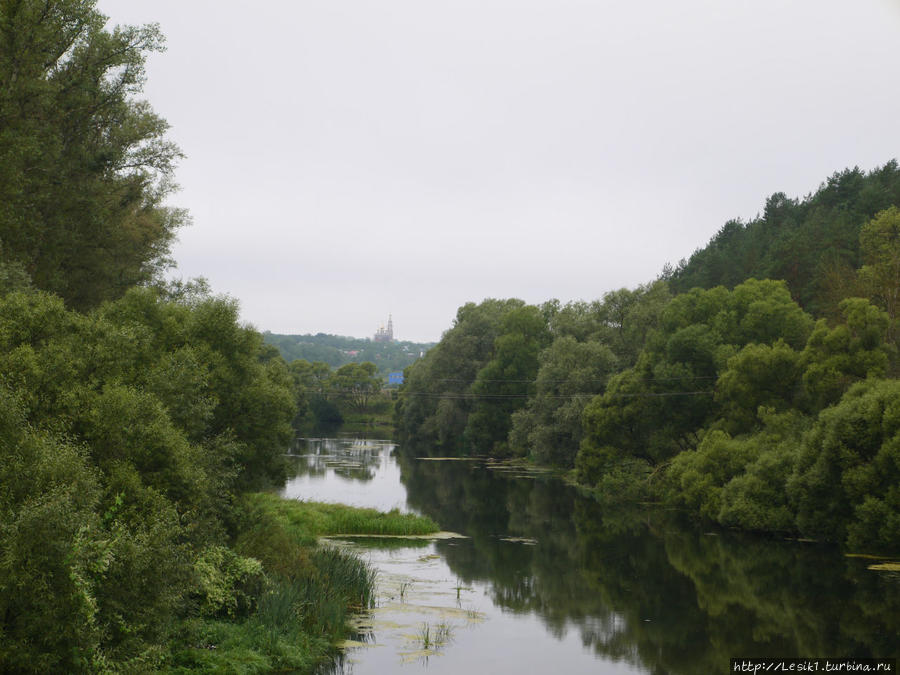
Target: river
x,y
544,580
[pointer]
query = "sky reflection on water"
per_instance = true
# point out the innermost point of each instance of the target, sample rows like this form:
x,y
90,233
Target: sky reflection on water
x,y
560,583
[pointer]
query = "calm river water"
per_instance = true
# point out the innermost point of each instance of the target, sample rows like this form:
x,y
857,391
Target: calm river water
x,y
544,580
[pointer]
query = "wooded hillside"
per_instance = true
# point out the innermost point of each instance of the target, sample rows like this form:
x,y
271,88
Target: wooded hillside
x,y
766,404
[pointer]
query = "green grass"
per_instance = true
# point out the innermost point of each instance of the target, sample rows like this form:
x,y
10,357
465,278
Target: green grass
x,y
313,519
371,422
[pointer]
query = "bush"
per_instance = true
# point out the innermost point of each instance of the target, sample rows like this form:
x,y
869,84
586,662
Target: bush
x,y
229,584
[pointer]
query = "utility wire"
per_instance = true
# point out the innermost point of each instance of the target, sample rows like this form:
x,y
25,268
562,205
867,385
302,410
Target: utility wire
x,y
473,397
644,379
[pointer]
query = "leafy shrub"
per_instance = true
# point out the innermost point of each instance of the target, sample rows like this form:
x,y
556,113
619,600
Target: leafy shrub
x,y
229,584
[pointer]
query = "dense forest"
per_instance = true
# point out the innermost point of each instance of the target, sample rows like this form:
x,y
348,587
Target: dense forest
x,y
754,386
812,243
138,418
338,350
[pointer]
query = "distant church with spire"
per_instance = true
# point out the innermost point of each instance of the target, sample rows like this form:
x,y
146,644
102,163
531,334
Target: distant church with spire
x,y
385,334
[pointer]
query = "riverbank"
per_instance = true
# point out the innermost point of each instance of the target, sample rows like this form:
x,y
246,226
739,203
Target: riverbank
x,y
549,578
278,599
373,423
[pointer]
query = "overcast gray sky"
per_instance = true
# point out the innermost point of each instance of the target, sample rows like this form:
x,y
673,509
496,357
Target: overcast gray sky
x,y
347,159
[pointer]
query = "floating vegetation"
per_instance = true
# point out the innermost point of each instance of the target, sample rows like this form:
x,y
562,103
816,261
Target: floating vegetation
x,y
355,644
451,459
440,612
520,540
520,466
381,543
409,616
425,537
474,616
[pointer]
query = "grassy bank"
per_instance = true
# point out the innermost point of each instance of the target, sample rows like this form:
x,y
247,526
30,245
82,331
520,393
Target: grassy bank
x,y
314,519
373,423
278,600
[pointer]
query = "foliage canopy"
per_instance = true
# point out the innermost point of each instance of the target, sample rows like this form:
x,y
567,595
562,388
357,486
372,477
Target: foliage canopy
x,y
85,166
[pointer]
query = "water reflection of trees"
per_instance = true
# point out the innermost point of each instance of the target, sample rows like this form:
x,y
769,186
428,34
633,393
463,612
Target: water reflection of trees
x,y
352,459
301,465
647,590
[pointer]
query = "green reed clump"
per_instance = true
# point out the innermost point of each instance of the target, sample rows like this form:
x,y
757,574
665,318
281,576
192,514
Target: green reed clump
x,y
346,576
434,637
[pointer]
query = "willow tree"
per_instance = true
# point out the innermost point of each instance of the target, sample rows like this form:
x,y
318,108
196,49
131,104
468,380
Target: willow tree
x,y
85,166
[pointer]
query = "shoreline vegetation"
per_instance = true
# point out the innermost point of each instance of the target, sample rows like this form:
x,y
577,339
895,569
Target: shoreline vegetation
x,y
140,420
378,423
755,386
138,439
298,611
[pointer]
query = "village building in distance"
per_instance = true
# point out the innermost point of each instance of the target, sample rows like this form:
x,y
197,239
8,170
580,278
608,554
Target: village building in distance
x,y
385,334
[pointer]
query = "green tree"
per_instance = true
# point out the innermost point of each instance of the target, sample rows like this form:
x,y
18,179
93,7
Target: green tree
x,y
879,243
249,397
846,485
310,378
310,382
84,166
739,481
655,410
836,357
131,431
549,428
435,401
695,477
757,498
356,384
758,375
505,382
50,538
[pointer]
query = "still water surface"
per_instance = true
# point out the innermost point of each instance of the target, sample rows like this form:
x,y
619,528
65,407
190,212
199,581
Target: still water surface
x,y
546,580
